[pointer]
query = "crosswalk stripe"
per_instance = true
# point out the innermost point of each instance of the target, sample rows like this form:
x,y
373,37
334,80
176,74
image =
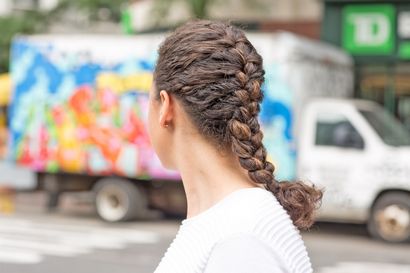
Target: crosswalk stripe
x,y
104,234
26,241
45,248
97,237
365,267
8,255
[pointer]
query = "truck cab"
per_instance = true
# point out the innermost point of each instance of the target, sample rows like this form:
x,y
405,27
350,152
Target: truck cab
x,y
360,155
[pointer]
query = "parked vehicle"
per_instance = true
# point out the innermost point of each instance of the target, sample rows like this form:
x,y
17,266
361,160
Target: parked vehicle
x,y
78,118
361,155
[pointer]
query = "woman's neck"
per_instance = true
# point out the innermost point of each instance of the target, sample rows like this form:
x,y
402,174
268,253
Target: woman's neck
x,y
208,176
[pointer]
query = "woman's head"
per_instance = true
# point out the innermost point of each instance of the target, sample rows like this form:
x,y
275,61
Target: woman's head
x,y
216,74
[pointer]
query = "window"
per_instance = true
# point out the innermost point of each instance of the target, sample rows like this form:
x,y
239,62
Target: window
x,y
337,131
390,130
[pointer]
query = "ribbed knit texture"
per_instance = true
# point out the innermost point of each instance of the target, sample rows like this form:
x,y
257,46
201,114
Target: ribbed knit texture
x,y
252,211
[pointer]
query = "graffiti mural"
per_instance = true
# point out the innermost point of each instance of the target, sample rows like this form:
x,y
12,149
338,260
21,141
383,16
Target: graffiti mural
x,y
70,113
82,108
277,121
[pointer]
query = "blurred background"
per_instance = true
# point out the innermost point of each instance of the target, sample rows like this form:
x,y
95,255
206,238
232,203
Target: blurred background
x,y
81,189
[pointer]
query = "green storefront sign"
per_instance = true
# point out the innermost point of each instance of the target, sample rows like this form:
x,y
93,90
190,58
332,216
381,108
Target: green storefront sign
x,y
369,29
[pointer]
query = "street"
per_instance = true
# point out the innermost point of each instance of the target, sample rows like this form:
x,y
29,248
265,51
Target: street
x,y
75,240
62,244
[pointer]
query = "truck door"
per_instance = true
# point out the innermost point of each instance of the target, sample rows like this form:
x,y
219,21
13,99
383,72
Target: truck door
x,y
332,156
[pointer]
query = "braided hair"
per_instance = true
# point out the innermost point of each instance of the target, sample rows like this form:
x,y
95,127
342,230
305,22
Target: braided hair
x,y
216,73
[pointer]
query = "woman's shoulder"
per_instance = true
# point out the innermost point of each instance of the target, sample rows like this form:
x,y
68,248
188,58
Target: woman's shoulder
x,y
249,252
246,216
244,253
254,207
257,216
241,211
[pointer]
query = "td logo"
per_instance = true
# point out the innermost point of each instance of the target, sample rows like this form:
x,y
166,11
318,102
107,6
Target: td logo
x,y
368,29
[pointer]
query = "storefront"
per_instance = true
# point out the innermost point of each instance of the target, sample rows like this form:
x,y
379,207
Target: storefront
x,y
377,35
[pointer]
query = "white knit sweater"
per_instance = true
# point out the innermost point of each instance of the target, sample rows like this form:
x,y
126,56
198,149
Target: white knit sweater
x,y
245,213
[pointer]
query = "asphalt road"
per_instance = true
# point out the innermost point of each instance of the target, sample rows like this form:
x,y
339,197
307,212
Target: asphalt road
x,y
73,240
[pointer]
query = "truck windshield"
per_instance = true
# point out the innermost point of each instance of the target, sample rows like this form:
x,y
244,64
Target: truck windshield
x,y
390,130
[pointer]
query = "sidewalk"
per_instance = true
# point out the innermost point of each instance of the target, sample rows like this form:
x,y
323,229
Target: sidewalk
x,y
34,202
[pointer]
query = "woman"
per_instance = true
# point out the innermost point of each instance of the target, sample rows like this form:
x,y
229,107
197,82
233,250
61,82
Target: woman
x,y
203,122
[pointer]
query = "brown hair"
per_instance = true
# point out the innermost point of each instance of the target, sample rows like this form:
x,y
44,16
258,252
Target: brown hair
x,y
216,73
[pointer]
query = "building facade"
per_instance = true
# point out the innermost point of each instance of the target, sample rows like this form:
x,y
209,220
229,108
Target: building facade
x,y
377,35
299,16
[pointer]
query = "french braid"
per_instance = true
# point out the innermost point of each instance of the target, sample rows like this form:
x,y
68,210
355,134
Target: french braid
x,y
216,73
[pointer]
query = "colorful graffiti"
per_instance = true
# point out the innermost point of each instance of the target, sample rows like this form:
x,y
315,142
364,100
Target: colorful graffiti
x,y
276,118
74,115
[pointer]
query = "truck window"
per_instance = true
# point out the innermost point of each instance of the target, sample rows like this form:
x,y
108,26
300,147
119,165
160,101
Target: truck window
x,y
337,131
390,130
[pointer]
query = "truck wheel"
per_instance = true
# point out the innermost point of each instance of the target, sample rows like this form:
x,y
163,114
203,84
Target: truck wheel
x,y
390,218
119,200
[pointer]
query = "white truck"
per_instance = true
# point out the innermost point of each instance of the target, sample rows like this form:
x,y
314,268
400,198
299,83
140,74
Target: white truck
x,y
353,148
78,118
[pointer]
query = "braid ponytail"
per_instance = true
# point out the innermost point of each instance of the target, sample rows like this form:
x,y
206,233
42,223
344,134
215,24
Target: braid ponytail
x,y
246,137
217,74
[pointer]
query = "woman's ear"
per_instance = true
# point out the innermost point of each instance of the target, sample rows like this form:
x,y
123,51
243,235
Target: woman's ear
x,y
166,113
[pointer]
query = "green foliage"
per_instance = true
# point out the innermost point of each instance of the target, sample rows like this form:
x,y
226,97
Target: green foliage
x,y
99,9
24,23
199,8
33,21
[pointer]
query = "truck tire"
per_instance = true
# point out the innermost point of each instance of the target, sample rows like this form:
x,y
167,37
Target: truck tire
x,y
118,200
390,218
